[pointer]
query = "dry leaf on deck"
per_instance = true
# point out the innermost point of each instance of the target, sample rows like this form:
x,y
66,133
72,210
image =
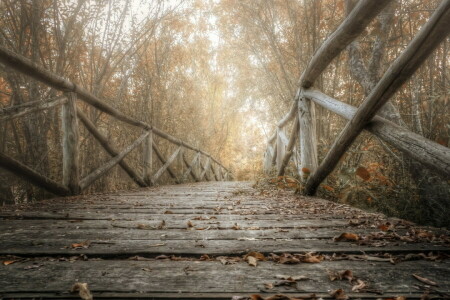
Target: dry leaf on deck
x,y
8,262
168,212
83,290
311,258
359,285
251,260
236,227
292,278
83,245
189,224
142,226
257,255
339,294
162,225
347,237
424,280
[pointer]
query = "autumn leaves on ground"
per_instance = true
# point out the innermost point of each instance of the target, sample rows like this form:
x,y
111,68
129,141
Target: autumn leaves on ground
x,y
220,74
217,240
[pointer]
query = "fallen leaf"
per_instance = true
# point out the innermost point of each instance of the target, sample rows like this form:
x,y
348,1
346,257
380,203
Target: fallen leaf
x,y
142,226
146,269
8,262
292,278
359,285
347,237
168,212
310,258
306,170
347,274
83,290
327,187
236,227
424,280
257,255
339,294
268,286
385,227
161,225
189,224
252,261
83,245
363,173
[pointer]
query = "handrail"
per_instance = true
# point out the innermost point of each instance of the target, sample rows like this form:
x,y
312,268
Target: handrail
x,y
72,184
427,152
29,68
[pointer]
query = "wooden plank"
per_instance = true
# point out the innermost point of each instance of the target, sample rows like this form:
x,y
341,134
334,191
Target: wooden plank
x,y
125,247
69,121
423,44
166,164
283,122
364,12
28,174
163,161
290,147
190,170
31,69
205,169
282,142
97,173
148,160
430,154
308,138
13,112
109,148
212,276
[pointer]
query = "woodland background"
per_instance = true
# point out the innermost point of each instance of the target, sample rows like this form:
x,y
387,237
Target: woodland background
x,y
219,74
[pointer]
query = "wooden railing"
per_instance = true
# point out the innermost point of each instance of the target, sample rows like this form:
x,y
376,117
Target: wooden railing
x,y
430,154
72,184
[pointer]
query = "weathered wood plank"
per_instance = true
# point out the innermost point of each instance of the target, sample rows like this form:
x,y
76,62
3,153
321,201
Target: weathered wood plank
x,y
148,160
163,161
25,172
69,121
290,147
109,148
431,34
166,164
308,138
200,276
430,154
190,167
364,12
94,175
13,112
126,247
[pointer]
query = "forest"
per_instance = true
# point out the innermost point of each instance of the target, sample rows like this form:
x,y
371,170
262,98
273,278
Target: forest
x,y
220,74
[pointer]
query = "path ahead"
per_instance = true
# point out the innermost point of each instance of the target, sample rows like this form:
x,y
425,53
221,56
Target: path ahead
x,y
193,241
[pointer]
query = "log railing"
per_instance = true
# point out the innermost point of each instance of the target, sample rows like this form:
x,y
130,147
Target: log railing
x,y
72,184
432,155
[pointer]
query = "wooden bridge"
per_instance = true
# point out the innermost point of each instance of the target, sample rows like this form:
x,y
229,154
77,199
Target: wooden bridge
x,y
225,239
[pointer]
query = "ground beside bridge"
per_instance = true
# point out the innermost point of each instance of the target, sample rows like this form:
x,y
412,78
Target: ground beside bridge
x,y
216,240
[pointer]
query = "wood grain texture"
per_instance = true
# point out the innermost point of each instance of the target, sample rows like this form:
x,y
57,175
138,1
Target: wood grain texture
x,y
429,37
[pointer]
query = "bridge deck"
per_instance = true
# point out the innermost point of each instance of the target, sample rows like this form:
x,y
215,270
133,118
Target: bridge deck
x,y
191,241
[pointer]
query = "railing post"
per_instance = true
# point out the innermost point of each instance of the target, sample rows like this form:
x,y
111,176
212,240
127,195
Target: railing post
x,y
268,159
308,140
148,159
281,148
71,175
